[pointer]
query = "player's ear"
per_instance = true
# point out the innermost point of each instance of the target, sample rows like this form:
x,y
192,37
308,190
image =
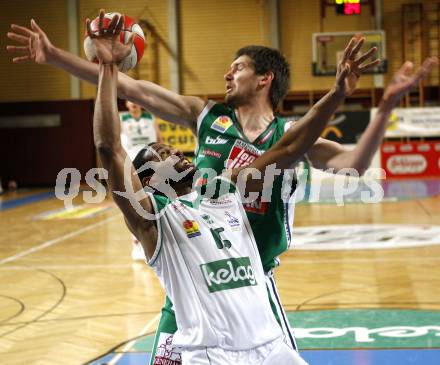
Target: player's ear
x,y
145,181
267,78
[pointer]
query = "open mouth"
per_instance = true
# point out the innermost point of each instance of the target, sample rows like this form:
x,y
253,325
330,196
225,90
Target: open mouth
x,y
228,89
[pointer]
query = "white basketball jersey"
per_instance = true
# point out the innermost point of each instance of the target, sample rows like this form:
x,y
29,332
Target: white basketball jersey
x,y
136,133
208,262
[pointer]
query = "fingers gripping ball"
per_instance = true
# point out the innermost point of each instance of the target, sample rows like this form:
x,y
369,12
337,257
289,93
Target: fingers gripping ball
x,y
130,27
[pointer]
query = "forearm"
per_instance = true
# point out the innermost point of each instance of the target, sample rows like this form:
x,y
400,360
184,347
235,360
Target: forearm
x,y
361,156
299,138
107,133
75,65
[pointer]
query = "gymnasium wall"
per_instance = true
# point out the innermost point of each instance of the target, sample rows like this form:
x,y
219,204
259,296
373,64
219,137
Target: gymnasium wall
x,y
210,32
30,81
34,155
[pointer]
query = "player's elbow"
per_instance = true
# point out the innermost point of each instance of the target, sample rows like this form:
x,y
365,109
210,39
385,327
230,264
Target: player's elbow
x,y
105,150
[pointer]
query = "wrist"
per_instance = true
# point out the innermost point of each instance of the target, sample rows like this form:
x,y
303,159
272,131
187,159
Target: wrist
x,y
337,91
386,105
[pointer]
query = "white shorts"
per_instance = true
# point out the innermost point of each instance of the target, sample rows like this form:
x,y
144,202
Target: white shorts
x,y
275,352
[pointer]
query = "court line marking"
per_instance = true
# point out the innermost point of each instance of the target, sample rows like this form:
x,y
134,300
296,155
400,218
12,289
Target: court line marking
x,y
130,344
57,240
356,260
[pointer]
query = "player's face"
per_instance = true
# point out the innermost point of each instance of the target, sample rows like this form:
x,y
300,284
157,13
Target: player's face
x,y
167,154
241,81
133,108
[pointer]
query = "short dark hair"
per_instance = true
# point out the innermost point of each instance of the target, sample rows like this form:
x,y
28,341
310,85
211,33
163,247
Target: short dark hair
x,y
144,155
267,59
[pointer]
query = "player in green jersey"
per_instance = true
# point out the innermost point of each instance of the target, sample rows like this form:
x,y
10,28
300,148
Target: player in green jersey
x,y
257,81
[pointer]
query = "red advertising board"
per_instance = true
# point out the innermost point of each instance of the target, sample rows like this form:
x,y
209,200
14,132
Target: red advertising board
x,y
411,159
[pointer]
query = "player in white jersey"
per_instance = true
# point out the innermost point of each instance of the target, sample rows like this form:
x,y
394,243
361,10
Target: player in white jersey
x,y
138,129
201,245
200,242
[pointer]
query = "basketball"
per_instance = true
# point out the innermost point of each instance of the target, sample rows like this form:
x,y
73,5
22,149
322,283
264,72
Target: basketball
x,y
130,27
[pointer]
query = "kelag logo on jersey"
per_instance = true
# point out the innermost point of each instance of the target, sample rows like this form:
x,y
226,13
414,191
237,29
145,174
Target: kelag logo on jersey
x,y
242,154
228,274
191,228
221,124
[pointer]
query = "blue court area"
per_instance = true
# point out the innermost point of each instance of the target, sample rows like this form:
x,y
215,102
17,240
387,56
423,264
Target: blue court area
x,y
372,357
341,337
322,357
18,202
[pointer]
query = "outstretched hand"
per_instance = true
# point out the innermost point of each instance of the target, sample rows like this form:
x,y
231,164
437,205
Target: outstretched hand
x,y
404,79
35,45
351,67
109,49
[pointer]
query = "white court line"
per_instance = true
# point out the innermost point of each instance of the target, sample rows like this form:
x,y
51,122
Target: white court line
x,y
73,267
131,343
354,260
56,240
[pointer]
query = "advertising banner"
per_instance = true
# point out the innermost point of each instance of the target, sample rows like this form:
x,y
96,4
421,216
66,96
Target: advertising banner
x,y
411,159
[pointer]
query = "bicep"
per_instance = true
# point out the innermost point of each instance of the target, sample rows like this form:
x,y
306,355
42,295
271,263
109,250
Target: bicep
x,y
166,104
323,152
128,194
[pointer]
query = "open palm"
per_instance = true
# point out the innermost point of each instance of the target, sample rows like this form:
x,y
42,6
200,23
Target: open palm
x,y
405,79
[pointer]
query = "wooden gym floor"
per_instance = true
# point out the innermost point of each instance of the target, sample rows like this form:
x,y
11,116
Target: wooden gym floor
x,y
70,292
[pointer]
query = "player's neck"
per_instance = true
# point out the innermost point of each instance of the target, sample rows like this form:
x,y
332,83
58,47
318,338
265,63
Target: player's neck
x,y
254,116
137,114
183,189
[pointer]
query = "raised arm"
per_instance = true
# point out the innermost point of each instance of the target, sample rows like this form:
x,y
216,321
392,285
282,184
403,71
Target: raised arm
x,y
34,45
107,137
303,134
327,154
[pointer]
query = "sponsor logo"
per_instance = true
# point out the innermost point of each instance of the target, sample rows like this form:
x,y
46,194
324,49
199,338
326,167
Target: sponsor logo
x,y
389,148
242,154
222,123
220,201
407,164
178,207
211,153
257,206
216,140
228,274
367,328
191,228
166,354
207,219
233,222
406,148
361,237
423,147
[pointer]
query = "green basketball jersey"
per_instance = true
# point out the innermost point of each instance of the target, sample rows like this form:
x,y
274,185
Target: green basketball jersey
x,y
223,145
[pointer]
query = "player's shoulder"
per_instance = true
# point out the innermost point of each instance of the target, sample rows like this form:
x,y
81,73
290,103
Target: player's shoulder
x,y
219,109
125,116
147,115
286,122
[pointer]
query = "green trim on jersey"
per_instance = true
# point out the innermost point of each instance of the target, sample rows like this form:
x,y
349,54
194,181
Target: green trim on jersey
x,y
221,144
126,116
